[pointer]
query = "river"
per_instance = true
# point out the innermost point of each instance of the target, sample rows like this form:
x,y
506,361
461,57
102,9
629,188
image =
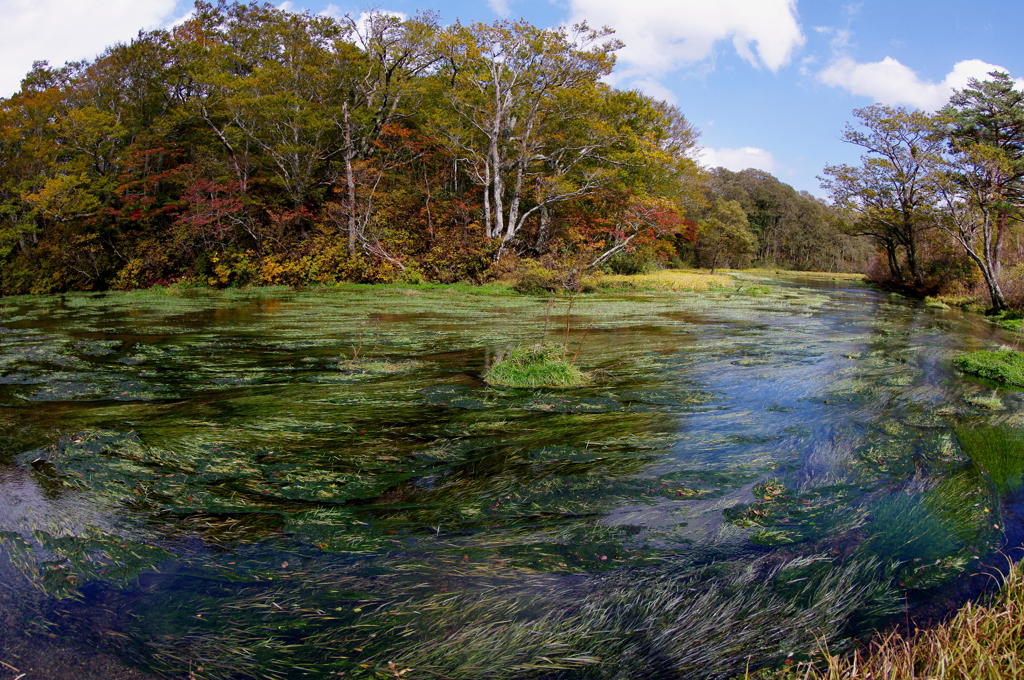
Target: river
x,y
317,484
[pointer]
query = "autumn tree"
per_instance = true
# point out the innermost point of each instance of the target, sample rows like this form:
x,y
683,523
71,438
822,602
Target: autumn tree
x,y
889,195
512,86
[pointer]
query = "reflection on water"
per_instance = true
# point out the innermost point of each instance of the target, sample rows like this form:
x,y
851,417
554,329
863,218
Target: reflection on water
x,y
279,484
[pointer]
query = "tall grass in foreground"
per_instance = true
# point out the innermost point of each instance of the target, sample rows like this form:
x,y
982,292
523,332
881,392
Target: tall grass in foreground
x,y
984,641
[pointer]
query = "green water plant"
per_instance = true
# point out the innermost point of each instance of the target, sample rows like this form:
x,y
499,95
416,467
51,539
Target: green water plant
x,y
998,452
536,366
989,402
1004,366
984,641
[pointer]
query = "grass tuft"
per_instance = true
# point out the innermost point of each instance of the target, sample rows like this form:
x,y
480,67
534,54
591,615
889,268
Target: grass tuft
x,y
988,402
536,366
935,303
1004,366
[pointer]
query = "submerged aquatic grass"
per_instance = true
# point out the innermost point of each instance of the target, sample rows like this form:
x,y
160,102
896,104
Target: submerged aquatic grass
x,y
711,502
998,451
984,641
536,366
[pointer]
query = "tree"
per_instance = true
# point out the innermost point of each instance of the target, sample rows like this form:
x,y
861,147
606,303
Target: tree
x,y
297,147
393,53
980,178
724,237
794,229
890,194
510,86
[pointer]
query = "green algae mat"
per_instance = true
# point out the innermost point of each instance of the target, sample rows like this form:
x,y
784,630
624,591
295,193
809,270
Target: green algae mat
x,y
319,484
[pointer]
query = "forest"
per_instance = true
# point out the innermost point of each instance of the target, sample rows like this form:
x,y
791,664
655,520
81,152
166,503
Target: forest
x,y
253,145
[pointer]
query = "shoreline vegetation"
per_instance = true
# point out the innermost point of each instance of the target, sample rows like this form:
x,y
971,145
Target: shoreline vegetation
x,y
683,280
984,640
251,144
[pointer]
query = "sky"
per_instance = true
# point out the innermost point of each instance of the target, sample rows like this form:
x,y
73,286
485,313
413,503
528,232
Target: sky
x,y
768,83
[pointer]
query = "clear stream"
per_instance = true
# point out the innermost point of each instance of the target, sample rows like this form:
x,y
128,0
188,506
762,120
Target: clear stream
x,y
317,484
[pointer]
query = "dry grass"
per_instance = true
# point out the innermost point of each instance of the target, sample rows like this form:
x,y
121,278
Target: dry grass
x,y
665,279
984,641
828,276
697,280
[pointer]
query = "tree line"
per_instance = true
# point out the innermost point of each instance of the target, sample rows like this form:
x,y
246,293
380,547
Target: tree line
x,y
942,195
251,144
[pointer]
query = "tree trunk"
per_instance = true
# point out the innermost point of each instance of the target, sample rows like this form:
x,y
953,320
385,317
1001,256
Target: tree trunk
x,y
350,182
995,291
497,186
894,262
544,228
912,263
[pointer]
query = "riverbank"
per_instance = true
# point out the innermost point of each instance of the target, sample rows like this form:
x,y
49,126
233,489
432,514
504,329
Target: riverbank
x,y
983,641
674,280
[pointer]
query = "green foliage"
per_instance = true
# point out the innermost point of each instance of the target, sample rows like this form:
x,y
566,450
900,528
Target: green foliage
x,y
536,366
631,263
309,149
1003,366
793,229
724,238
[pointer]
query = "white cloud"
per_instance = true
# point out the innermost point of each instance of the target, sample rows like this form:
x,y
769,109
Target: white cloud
x,y
500,7
653,88
890,82
332,10
67,30
738,158
663,35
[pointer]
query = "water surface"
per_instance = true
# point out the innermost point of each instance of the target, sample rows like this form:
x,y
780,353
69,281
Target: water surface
x,y
279,484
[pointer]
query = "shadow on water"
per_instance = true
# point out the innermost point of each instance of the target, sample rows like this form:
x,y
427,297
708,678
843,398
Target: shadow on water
x,y
318,484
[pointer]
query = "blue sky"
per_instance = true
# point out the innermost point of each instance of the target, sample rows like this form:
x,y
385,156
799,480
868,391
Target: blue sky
x,y
769,83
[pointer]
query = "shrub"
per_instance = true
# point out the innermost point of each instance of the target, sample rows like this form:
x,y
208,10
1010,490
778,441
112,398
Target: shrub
x,y
638,262
533,278
536,366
